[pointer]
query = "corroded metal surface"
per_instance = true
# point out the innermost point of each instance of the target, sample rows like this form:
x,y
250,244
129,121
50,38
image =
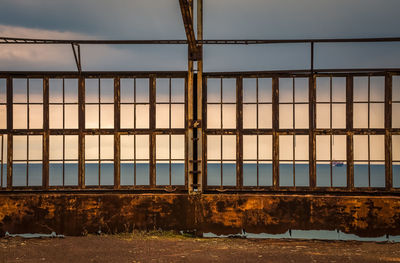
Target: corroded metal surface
x,y
77,214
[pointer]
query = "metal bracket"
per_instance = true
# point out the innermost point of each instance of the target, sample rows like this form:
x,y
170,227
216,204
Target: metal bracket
x,y
193,124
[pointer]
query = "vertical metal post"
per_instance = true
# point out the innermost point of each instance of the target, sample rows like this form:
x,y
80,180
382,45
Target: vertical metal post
x,y
349,132
199,141
312,126
81,147
191,141
239,132
275,128
117,159
152,128
46,139
388,135
9,130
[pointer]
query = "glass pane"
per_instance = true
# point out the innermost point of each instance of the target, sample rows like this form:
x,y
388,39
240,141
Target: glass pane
x,y
3,117
56,147
285,90
142,116
323,174
395,118
213,90
264,116
250,173
92,116
360,85
142,90
229,173
162,116
56,116
162,147
213,173
177,90
228,147
106,147
107,173
377,89
286,116
285,174
36,90
265,90
323,145
213,147
177,146
91,173
377,147
3,90
142,147
301,115
396,147
339,89
162,90
107,90
377,115
71,151
162,173
35,147
35,174
323,116
339,116
250,147
228,116
339,147
228,90
360,115
91,147
286,147
249,90
127,90
177,173
265,147
177,116
107,116
20,147
249,116
213,116
301,89
91,90
71,93
55,90
20,90
301,147
360,147
127,147
35,117
20,116
71,116
361,174
323,89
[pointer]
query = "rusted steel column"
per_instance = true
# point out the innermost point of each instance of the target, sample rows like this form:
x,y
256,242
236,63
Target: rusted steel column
x,y
152,126
200,97
81,147
275,128
45,171
117,159
239,132
9,130
203,145
388,134
312,127
349,132
191,142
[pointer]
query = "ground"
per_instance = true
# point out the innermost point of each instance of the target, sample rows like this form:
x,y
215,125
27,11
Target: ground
x,y
156,247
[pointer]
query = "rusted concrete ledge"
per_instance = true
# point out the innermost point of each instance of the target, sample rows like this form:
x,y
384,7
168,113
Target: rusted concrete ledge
x,y
77,214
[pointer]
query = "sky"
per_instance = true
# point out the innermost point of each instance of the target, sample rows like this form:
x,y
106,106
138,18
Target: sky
x,y
223,19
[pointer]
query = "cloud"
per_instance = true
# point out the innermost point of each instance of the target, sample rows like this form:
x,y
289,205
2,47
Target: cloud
x,y
94,57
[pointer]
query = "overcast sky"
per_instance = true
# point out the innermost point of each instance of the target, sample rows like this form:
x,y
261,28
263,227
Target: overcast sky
x,y
223,19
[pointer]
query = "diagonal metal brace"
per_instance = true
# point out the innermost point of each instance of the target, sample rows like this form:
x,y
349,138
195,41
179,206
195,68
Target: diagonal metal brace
x,y
187,17
77,55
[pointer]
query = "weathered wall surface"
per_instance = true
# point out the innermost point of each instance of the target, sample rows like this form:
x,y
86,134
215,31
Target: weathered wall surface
x,y
77,214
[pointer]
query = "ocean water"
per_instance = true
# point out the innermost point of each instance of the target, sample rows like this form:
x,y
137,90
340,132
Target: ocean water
x,y
339,174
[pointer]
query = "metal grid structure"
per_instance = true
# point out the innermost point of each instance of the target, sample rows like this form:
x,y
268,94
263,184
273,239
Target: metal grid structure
x,y
196,129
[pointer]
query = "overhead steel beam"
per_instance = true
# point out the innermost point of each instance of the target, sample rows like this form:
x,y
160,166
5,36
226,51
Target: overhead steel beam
x,y
187,18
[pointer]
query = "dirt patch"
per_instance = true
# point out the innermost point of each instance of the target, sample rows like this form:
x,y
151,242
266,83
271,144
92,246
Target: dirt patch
x,y
167,247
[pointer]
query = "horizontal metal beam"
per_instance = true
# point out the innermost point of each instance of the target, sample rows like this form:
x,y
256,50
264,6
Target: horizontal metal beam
x,y
9,40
